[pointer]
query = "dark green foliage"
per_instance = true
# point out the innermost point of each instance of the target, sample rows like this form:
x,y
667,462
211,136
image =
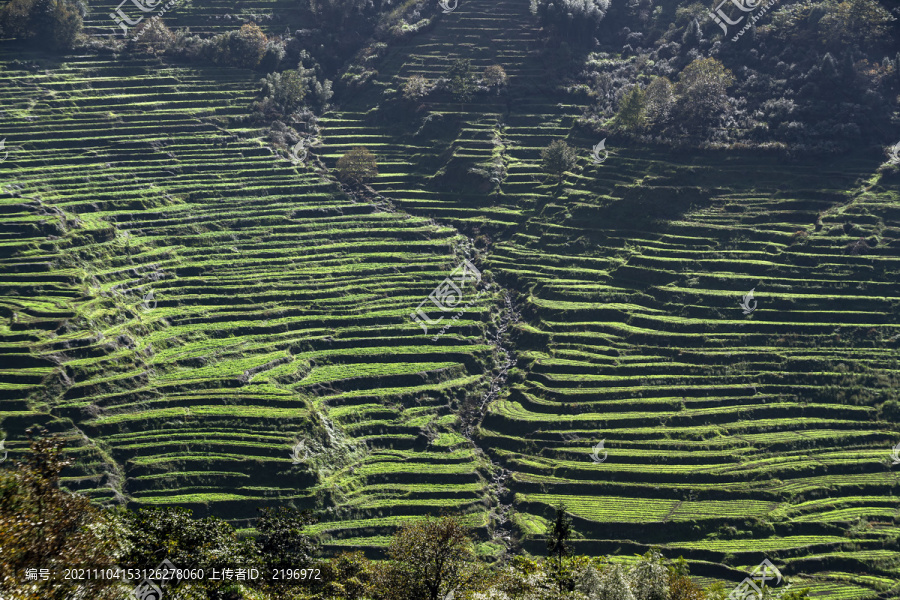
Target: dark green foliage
x,y
155,534
575,20
429,559
282,540
460,79
357,166
58,22
42,527
632,110
558,158
560,534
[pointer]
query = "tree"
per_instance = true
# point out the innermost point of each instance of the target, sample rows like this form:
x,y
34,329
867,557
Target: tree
x,y
494,77
702,92
171,533
348,575
282,540
282,94
577,19
460,78
632,110
692,35
245,47
558,158
60,21
855,23
416,88
649,578
429,559
658,100
43,527
153,37
560,534
357,165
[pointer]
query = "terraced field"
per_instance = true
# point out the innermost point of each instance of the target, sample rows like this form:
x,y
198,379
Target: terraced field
x,y
279,309
718,426
276,361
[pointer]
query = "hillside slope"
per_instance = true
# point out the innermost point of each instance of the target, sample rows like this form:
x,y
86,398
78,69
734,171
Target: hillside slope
x,y
727,436
276,361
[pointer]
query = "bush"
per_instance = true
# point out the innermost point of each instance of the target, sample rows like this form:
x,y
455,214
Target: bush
x,y
357,165
558,158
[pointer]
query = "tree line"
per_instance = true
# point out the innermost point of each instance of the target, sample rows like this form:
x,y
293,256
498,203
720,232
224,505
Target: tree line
x,y
434,558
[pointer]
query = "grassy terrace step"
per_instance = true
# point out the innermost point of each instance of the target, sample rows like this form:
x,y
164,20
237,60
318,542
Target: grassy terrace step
x,y
632,332
277,300
282,312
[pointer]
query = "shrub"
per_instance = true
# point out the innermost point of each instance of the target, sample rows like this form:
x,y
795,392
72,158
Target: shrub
x,y
558,158
357,165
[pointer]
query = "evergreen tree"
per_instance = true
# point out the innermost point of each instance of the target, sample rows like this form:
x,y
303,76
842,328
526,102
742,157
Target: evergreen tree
x,y
558,158
460,76
632,110
557,541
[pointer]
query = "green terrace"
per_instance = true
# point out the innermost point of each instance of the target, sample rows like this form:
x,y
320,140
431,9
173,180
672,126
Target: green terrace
x,y
280,366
